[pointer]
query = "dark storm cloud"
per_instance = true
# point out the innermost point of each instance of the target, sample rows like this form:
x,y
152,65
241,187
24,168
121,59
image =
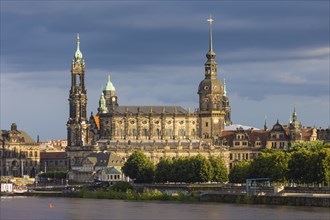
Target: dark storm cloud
x,y
155,49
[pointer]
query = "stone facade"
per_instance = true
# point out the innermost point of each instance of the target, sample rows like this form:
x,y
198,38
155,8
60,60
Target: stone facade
x,y
247,144
115,122
20,154
168,131
54,161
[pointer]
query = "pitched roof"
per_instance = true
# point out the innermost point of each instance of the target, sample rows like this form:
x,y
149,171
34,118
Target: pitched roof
x,y
97,121
252,135
112,170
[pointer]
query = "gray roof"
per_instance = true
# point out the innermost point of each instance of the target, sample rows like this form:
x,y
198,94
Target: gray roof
x,y
22,134
104,159
111,170
149,109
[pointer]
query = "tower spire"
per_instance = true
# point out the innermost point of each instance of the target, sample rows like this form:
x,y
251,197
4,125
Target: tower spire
x,y
224,87
210,54
210,20
78,54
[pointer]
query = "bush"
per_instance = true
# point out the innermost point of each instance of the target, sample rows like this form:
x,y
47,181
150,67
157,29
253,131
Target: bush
x,y
121,187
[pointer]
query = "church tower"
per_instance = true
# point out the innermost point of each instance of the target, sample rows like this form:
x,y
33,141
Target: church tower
x,y
110,95
295,128
214,109
77,125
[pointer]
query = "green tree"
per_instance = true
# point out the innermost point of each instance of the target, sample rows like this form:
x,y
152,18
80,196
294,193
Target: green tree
x,y
202,169
316,145
240,172
180,170
326,165
139,167
298,168
220,171
164,170
271,164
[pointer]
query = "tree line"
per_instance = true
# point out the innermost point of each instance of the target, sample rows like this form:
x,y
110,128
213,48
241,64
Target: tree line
x,y
303,163
183,169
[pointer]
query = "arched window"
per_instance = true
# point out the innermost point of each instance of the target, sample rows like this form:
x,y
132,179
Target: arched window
x,y
182,132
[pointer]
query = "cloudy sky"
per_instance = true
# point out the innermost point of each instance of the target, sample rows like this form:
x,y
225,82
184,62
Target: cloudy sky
x,y
274,55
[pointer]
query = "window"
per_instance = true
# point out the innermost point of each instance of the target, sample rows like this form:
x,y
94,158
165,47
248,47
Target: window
x,y
273,144
56,162
244,143
35,154
206,124
231,156
236,143
181,132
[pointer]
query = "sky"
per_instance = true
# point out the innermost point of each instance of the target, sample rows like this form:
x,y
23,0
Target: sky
x,y
274,56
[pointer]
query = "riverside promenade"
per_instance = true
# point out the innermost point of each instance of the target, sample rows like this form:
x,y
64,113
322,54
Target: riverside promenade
x,y
271,195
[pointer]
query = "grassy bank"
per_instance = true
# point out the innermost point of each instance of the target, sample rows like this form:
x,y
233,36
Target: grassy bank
x,y
269,200
130,195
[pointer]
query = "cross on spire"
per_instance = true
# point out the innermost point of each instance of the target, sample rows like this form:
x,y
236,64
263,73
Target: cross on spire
x,y
210,20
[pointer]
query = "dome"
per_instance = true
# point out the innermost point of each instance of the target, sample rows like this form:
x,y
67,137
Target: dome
x,y
208,85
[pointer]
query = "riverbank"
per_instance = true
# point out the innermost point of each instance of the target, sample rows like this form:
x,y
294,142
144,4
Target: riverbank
x,y
284,200
155,195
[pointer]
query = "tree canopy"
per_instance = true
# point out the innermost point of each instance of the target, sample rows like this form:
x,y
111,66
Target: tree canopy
x,y
139,167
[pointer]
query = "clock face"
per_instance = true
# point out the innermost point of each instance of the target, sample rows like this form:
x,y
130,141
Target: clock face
x,y
113,99
215,88
215,121
206,88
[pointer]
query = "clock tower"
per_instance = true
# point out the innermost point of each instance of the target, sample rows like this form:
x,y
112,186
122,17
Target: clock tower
x,y
213,111
110,95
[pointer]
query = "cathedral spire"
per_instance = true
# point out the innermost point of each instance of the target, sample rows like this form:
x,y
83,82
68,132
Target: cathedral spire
x,y
210,20
78,55
210,54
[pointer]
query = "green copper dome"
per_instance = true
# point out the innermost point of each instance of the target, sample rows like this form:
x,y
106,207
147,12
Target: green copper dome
x,y
109,86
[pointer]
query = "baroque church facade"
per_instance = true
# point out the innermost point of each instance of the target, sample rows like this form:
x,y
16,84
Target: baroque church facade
x,y
116,122
159,131
165,131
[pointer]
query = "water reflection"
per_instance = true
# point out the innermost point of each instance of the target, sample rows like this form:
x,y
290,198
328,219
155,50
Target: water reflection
x,y
69,208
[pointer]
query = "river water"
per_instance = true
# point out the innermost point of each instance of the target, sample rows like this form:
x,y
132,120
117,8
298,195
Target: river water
x,y
74,208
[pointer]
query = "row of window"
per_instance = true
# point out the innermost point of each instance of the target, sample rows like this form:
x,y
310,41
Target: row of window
x,y
278,144
15,153
146,132
242,156
113,176
55,162
245,143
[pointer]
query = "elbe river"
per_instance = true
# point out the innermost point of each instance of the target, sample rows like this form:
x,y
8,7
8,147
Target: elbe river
x,y
74,208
